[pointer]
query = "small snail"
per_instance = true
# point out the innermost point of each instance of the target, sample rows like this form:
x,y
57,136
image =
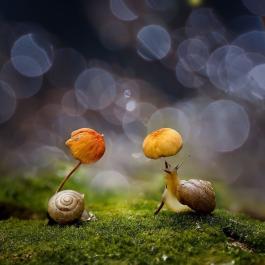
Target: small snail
x,y
66,206
199,195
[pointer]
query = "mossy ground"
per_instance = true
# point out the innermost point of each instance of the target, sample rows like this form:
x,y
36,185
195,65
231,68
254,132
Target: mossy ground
x,y
126,232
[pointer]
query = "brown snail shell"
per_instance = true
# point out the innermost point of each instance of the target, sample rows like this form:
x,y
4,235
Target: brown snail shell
x,y
66,206
198,194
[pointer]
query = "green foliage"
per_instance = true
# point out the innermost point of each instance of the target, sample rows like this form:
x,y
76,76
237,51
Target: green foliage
x,y
126,231
128,235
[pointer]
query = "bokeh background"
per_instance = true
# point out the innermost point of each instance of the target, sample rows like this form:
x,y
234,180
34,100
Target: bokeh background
x,y
125,68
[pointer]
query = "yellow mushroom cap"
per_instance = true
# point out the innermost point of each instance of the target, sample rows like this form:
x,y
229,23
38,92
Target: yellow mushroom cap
x,y
86,145
162,143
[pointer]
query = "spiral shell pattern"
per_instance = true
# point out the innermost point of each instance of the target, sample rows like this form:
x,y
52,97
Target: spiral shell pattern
x,y
66,206
198,194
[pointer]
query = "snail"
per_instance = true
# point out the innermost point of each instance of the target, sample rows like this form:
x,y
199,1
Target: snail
x,y
197,194
68,206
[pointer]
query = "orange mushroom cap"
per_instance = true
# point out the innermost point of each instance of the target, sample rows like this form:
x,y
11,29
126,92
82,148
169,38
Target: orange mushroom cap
x,y
162,143
86,145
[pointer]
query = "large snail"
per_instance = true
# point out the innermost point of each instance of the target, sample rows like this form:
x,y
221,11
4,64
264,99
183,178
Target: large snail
x,y
68,206
199,195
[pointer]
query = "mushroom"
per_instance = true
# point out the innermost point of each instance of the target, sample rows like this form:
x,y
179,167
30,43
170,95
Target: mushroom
x,y
197,194
162,143
87,146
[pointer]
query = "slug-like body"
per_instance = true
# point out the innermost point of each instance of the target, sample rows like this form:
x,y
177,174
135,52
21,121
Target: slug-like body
x,y
66,206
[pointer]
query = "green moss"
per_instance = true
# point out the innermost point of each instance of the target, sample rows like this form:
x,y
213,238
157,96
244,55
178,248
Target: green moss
x,y
126,236
126,231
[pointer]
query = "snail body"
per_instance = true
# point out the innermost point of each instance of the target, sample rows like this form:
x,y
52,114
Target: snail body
x,y
66,206
197,194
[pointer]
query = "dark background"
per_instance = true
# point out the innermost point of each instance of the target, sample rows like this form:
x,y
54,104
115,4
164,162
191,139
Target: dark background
x,y
73,24
69,22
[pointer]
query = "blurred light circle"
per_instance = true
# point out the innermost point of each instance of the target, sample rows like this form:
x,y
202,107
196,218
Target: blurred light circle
x,y
213,40
153,42
125,104
8,102
135,131
146,110
256,58
256,7
109,180
230,69
142,113
191,107
258,75
71,105
224,126
187,77
23,86
137,155
195,3
255,86
229,171
64,124
67,65
26,66
95,88
253,41
201,21
127,89
247,86
46,155
113,114
170,118
131,105
237,72
217,63
32,55
19,158
161,5
194,53
120,9
127,93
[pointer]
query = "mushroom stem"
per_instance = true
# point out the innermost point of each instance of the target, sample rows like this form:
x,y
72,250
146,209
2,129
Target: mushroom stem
x,y
68,176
